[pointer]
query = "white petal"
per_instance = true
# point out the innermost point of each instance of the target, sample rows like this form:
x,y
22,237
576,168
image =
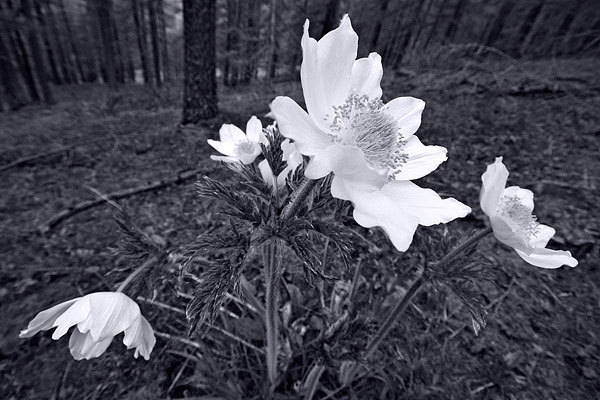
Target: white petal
x,y
349,163
542,236
266,172
110,314
288,148
294,123
82,346
248,158
366,76
525,195
546,258
44,320
141,336
504,232
231,133
318,166
75,314
227,148
493,183
375,208
422,159
407,113
254,130
425,204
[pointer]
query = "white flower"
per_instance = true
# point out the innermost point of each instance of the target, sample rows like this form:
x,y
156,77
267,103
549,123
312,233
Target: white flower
x,y
369,146
510,212
238,146
291,156
98,318
348,130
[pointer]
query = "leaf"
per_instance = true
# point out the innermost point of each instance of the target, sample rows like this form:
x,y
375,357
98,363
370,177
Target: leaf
x,y
312,381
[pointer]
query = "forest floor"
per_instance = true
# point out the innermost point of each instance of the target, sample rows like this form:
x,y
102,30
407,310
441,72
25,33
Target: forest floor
x,y
542,340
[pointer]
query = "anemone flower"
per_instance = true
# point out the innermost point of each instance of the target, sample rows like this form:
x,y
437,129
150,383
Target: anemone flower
x,y
98,318
369,146
510,212
237,146
293,159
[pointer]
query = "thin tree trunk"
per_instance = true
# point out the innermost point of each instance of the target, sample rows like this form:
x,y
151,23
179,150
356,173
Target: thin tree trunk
x,y
331,16
140,33
252,37
103,9
200,87
495,28
436,22
37,55
74,53
24,61
532,30
166,65
66,62
455,21
14,92
378,24
155,46
118,52
50,45
272,65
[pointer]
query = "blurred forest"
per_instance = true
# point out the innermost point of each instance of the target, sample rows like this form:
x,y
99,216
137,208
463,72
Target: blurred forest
x,y
44,43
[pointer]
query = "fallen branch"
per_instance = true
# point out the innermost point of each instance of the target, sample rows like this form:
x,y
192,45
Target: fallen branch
x,y
87,204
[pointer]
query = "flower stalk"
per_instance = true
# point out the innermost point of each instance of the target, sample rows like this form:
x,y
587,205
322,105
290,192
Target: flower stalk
x,y
135,273
298,198
271,259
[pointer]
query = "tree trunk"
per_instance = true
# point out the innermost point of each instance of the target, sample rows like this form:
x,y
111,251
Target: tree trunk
x,y
50,45
272,60
14,92
252,36
103,9
230,69
164,48
378,24
118,52
433,29
495,28
200,87
454,22
331,16
155,46
532,30
74,53
36,52
140,33
25,65
68,69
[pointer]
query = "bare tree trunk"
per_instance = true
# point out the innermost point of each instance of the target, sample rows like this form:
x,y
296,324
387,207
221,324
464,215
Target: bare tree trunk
x,y
57,74
103,9
434,27
140,33
68,69
200,87
166,66
10,79
531,30
118,52
272,60
36,53
230,69
455,21
154,40
497,24
331,16
378,24
25,65
252,37
74,53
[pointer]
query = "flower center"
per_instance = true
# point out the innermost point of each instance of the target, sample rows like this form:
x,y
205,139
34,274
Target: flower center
x,y
361,122
518,216
245,147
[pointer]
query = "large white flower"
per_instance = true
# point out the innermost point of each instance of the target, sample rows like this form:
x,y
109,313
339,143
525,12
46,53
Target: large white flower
x,y
293,160
99,317
237,146
369,146
510,212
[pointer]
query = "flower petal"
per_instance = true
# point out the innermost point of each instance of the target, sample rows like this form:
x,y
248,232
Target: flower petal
x,y
524,195
254,130
547,258
366,76
375,208
407,113
421,161
141,336
504,232
82,346
294,123
227,148
231,133
318,166
225,159
424,204
493,183
110,314
542,236
44,320
349,163
78,312
266,172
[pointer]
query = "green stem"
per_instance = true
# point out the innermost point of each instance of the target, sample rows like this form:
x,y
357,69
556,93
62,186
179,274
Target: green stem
x,y
271,260
465,245
135,273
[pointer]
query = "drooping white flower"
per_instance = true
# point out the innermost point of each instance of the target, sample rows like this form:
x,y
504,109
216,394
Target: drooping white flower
x,y
370,147
510,210
237,146
98,318
293,160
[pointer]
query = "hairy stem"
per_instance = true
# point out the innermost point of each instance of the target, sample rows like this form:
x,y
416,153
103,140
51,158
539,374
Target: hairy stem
x,y
465,245
271,260
135,273
298,197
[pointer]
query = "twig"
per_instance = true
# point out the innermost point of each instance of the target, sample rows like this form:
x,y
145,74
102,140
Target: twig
x,y
119,194
135,273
